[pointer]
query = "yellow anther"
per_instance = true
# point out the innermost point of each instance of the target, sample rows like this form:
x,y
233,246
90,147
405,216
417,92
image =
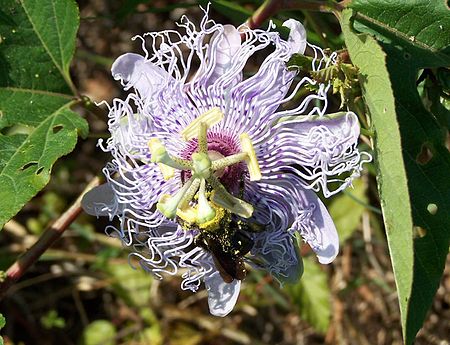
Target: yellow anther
x,y
168,204
205,211
251,160
233,204
224,162
167,171
188,214
222,198
160,155
163,207
202,138
214,223
190,193
157,150
210,118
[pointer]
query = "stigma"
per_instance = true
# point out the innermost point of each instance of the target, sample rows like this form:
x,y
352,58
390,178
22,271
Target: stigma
x,y
203,200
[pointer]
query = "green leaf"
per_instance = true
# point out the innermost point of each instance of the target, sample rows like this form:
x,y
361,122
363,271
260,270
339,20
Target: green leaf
x,y
2,324
312,296
424,23
37,42
52,320
412,159
185,334
26,160
133,285
151,335
347,209
99,332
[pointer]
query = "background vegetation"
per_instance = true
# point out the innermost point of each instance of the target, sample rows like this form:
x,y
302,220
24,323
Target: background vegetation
x,y
54,64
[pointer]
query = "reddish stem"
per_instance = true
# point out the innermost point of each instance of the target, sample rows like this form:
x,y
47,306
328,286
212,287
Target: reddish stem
x,y
265,11
50,235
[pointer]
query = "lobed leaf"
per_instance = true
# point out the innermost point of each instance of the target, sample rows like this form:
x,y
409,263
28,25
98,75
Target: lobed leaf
x,y
37,42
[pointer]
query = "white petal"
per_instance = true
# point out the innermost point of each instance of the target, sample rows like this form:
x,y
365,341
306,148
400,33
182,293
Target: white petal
x,y
100,201
326,246
283,260
228,44
304,209
327,152
297,36
293,273
221,296
133,70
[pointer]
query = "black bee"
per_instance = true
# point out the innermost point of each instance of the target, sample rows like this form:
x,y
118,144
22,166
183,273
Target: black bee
x,y
228,247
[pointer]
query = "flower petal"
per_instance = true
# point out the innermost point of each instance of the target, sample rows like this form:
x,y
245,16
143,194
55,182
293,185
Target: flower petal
x,y
297,36
326,240
279,253
228,44
302,210
222,296
101,201
133,70
328,149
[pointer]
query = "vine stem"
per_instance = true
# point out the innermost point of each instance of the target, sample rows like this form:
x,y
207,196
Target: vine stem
x,y
271,7
50,235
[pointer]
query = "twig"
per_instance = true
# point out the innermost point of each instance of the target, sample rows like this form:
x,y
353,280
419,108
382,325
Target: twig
x,y
79,305
271,7
53,233
265,11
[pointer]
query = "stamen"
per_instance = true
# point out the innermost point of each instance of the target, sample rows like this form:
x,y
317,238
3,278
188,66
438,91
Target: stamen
x,y
160,155
251,160
205,211
190,193
229,160
214,223
202,139
168,205
188,214
167,171
201,165
222,198
210,118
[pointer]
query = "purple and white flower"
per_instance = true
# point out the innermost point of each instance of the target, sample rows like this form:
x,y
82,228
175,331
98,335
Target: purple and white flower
x,y
213,169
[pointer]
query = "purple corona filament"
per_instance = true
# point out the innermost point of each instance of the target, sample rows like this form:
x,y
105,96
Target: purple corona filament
x,y
209,165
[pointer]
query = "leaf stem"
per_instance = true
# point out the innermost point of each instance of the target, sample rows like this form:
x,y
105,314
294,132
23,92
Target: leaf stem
x,y
93,108
50,235
72,86
367,132
362,203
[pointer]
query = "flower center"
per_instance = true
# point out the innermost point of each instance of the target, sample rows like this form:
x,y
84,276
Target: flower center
x,y
203,199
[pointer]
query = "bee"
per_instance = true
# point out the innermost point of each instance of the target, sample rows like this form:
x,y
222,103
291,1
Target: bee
x,y
228,246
